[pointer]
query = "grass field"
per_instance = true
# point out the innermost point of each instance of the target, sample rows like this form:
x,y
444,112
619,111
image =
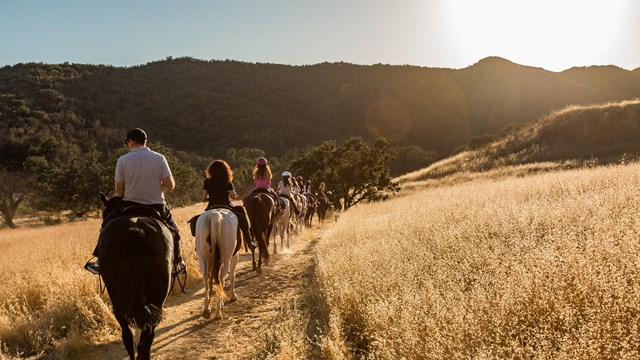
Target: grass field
x,y
47,299
519,265
542,266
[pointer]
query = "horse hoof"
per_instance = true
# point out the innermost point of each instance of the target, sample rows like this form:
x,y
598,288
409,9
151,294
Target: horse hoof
x,y
259,270
234,297
206,313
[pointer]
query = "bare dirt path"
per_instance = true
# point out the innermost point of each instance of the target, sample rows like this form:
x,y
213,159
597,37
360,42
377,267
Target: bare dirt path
x,y
185,334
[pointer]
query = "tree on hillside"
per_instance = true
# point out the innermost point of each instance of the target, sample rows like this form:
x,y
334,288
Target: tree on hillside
x,y
353,172
188,182
12,192
66,177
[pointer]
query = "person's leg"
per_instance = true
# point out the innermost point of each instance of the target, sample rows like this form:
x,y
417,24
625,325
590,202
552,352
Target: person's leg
x,y
243,223
168,219
276,198
294,205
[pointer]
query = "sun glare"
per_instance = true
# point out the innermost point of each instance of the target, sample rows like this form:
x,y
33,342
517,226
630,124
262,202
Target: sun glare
x,y
559,33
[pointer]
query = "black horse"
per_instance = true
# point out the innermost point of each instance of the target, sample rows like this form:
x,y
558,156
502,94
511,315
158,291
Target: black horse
x,y
261,209
135,254
323,205
312,204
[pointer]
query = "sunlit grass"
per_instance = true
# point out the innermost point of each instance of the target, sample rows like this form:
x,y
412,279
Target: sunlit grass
x,y
544,266
47,299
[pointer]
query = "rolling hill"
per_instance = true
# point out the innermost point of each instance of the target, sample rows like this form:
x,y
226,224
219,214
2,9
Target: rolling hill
x,y
207,107
569,137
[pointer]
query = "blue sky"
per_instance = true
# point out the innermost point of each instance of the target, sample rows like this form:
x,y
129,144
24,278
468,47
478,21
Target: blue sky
x,y
552,34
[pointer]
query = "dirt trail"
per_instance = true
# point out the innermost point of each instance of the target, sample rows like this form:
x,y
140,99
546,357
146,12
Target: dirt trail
x,y
185,334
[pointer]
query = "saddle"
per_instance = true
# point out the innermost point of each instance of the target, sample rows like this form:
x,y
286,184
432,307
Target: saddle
x,y
192,225
135,210
193,220
141,210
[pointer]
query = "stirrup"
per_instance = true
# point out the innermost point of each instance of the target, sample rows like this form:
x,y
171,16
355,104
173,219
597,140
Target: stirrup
x,y
179,272
179,268
92,267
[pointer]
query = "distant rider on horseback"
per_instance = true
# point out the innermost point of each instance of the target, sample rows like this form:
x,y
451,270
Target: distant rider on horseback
x,y
286,187
262,179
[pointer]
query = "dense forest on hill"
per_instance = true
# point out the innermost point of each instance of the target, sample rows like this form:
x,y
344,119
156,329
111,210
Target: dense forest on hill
x,y
207,107
63,124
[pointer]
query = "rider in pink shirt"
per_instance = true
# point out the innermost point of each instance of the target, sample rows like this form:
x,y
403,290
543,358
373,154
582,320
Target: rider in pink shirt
x,y
262,179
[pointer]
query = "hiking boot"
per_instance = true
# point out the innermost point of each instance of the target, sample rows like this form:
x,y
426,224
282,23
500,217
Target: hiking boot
x,y
179,268
92,267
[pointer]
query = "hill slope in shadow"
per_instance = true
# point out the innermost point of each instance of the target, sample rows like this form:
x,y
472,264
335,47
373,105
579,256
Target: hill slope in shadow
x,y
564,138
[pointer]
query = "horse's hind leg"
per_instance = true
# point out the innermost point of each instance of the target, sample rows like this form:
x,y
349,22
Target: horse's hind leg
x,y
275,239
254,265
232,276
127,336
144,347
204,267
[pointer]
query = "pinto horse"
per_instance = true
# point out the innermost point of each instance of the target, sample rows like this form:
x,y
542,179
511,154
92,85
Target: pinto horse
x,y
301,200
217,246
283,226
135,254
261,210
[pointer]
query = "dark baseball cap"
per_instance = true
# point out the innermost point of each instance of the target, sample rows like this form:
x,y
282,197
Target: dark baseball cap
x,y
138,135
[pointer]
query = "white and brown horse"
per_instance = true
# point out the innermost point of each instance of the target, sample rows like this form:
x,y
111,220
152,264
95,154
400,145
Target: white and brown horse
x,y
217,247
283,226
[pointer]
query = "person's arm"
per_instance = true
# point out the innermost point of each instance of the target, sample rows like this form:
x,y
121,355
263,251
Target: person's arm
x,y
119,189
168,183
205,195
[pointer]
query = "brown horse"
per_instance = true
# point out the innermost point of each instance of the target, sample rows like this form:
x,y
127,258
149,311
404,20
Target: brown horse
x,y
312,204
261,209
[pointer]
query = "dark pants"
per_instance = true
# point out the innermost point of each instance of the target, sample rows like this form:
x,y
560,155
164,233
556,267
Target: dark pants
x,y
165,216
293,204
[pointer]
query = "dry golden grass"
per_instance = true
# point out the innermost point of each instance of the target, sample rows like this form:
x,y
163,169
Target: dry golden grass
x,y
47,299
536,266
544,266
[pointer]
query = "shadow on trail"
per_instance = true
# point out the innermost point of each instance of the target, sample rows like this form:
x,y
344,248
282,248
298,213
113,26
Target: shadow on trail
x,y
164,342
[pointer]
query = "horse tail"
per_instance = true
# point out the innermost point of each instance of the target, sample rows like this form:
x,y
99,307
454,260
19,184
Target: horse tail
x,y
259,227
216,236
130,297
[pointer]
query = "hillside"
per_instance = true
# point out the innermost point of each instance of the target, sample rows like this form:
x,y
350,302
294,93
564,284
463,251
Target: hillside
x,y
565,138
207,107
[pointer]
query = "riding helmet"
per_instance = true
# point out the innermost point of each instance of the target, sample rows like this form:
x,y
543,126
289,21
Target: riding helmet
x,y
261,161
286,173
